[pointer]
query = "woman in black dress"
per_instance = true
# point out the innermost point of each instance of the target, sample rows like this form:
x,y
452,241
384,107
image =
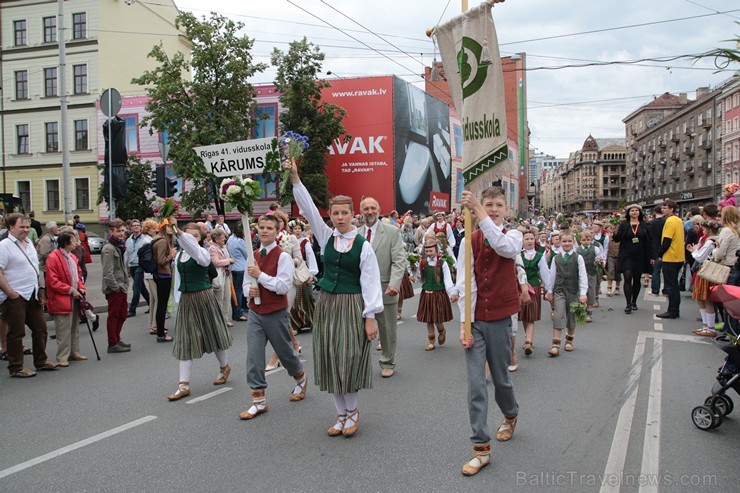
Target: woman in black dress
x,y
635,253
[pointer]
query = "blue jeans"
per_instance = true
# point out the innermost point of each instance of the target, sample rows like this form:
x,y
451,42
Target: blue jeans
x,y
139,289
655,281
238,279
671,271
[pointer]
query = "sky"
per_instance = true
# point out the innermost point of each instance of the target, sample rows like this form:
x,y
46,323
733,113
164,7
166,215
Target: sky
x,y
565,104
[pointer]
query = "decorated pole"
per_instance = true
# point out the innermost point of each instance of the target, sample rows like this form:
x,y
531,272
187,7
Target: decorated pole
x,y
470,54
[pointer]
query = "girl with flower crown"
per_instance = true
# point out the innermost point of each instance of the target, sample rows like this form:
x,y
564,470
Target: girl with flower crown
x,y
700,252
437,291
729,192
303,306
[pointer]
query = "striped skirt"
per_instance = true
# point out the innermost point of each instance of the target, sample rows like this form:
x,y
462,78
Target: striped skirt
x,y
341,350
434,307
701,289
531,312
302,312
407,290
200,326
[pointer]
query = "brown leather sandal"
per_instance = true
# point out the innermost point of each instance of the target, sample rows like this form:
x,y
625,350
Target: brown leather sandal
x,y
481,458
183,390
569,343
442,336
354,415
527,347
333,432
301,382
223,375
430,346
555,349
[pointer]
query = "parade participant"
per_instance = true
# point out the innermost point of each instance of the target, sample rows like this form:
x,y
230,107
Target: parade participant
x,y
568,283
442,226
554,246
64,287
524,299
494,299
407,290
635,253
437,291
612,255
269,321
542,245
459,233
391,257
699,253
200,326
591,254
538,275
303,307
344,321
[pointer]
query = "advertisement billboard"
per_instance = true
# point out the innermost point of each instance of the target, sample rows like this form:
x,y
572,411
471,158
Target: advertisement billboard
x,y
423,171
363,165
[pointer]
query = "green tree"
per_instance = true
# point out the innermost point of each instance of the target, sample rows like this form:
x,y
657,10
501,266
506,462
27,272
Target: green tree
x,y
304,112
215,107
139,197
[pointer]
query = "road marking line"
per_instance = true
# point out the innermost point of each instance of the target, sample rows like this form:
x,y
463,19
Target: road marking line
x,y
651,444
655,317
656,307
75,446
620,442
209,395
658,326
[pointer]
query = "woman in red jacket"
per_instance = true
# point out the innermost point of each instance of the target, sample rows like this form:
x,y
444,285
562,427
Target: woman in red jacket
x,y
64,286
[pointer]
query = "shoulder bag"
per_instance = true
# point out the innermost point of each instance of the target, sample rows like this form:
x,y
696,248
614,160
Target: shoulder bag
x,y
714,272
302,275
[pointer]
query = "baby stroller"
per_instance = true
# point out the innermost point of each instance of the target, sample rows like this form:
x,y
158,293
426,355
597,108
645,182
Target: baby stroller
x,y
718,405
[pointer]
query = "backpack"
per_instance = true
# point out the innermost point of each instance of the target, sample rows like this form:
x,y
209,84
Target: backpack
x,y
146,257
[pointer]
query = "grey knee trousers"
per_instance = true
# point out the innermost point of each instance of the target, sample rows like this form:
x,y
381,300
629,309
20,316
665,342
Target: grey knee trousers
x,y
273,327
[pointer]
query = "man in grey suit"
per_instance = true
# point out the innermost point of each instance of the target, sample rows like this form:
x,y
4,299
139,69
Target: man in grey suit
x,y
386,242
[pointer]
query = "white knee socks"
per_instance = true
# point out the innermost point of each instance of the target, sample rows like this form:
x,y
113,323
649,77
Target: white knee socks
x,y
185,368
223,360
703,314
710,319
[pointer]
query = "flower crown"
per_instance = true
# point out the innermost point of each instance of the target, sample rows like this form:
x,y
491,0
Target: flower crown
x,y
732,187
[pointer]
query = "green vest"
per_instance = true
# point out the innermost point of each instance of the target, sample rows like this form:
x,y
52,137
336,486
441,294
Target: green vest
x,y
429,283
589,258
600,241
193,276
342,270
532,268
566,278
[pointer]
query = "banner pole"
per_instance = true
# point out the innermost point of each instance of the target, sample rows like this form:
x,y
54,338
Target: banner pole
x,y
468,253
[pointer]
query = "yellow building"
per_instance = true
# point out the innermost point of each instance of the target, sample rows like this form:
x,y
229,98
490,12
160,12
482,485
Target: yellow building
x,y
107,42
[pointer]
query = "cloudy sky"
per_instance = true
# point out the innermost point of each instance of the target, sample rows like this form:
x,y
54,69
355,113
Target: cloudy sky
x,y
564,104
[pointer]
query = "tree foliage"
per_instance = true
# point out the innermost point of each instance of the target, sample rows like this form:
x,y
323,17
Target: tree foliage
x,y
139,184
297,79
215,107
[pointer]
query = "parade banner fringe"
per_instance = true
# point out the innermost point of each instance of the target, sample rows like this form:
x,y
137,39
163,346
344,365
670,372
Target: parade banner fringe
x,y
472,63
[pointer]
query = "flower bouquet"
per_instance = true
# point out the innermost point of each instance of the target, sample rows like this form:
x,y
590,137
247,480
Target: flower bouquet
x,y
413,259
616,219
292,145
579,310
239,193
165,208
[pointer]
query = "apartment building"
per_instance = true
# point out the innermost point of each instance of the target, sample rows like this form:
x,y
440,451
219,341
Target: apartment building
x,y
107,42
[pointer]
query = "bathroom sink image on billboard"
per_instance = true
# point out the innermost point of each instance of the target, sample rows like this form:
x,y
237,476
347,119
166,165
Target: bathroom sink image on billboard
x,y
443,155
415,171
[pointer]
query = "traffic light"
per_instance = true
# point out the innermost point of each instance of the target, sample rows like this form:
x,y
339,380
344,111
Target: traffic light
x,y
160,190
171,187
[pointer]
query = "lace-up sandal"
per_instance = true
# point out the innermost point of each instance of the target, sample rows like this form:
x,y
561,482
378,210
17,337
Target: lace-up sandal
x,y
430,346
481,458
353,415
442,336
299,392
506,429
336,430
223,375
555,349
258,405
183,390
569,343
527,347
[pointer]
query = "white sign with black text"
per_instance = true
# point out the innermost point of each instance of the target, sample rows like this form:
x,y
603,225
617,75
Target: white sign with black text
x,y
246,157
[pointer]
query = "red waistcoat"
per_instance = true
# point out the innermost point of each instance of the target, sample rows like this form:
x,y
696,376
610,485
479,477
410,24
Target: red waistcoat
x,y
271,302
495,276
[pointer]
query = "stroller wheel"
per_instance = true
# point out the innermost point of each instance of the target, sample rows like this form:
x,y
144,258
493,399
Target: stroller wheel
x,y
723,404
704,418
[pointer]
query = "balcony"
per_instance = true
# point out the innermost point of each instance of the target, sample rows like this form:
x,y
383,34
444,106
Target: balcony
x,y
706,123
675,137
690,171
642,153
674,156
662,161
688,150
662,143
707,144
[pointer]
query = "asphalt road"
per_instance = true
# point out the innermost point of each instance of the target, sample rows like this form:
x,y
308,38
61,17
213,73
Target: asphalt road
x,y
107,425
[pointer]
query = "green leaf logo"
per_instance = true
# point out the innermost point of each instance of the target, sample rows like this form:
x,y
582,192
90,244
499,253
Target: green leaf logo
x,y
480,73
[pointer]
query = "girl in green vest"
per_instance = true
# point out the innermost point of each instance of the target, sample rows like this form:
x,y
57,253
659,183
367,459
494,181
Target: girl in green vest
x,y
538,275
434,305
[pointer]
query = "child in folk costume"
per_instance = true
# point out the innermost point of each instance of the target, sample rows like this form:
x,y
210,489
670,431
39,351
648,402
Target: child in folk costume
x,y
601,239
554,247
612,255
568,283
494,299
200,326
436,292
542,245
407,290
344,321
302,311
442,226
591,254
538,275
524,299
701,252
269,321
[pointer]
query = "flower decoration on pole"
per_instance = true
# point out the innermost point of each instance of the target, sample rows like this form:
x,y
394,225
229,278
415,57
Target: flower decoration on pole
x,y
292,145
239,193
165,208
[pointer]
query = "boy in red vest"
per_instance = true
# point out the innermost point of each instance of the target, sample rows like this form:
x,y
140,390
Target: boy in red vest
x,y
269,321
495,298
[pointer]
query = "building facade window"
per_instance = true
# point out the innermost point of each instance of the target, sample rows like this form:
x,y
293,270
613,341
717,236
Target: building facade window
x,y
22,139
23,189
50,82
79,25
52,137
265,122
21,84
80,72
132,134
80,135
50,29
82,193
20,30
52,195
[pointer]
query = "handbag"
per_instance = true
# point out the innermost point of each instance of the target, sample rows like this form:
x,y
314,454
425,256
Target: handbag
x,y
714,272
218,281
301,275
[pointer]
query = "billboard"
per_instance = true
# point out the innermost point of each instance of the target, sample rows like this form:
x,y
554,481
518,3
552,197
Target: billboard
x,y
423,168
363,165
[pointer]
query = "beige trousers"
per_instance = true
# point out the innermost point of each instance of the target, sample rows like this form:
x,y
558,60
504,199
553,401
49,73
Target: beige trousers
x,y
68,333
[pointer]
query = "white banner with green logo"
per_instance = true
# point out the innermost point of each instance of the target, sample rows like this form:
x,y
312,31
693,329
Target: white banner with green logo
x,y
472,63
